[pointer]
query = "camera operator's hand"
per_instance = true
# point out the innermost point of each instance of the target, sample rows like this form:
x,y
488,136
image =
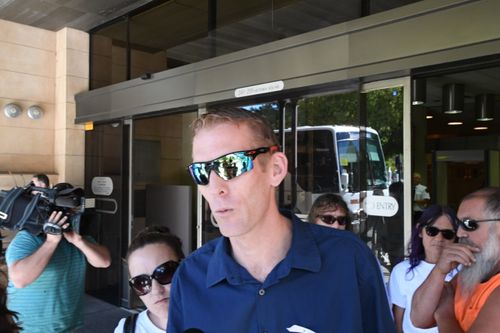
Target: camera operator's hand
x,y
71,236
26,270
58,219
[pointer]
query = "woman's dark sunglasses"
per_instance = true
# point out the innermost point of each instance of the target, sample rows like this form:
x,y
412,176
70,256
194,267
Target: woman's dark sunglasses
x,y
227,166
142,284
329,219
471,224
448,234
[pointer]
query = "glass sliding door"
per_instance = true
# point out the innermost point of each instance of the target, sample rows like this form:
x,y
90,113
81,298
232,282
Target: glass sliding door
x,y
352,142
106,174
162,191
387,191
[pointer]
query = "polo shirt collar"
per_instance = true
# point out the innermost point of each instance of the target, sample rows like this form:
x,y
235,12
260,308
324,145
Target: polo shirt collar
x,y
303,254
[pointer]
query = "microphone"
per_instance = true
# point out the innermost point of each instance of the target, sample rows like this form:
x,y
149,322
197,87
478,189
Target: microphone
x,y
193,330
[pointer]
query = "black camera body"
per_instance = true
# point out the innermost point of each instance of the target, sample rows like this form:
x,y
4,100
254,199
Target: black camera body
x,y
29,207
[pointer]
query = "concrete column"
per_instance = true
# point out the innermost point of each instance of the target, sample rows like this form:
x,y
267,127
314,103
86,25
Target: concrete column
x,y
72,77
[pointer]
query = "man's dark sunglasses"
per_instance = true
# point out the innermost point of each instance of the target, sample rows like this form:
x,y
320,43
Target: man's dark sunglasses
x,y
471,224
329,219
227,166
448,234
142,284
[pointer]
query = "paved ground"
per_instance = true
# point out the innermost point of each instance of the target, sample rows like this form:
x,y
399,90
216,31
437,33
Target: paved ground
x,y
101,317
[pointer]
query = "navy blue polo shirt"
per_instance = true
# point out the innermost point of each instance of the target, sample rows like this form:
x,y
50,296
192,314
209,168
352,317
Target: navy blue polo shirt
x,y
329,281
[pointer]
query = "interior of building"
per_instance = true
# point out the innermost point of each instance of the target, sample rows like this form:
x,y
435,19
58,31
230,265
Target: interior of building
x,y
407,84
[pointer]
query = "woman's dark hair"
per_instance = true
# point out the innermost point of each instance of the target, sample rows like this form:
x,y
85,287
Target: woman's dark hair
x,y
7,317
328,202
428,217
156,235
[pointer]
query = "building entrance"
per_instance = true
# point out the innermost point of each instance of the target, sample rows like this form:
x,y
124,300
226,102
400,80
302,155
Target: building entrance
x,y
349,142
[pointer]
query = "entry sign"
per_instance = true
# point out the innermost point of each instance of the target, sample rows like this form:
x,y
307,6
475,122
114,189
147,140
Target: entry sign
x,y
378,205
102,185
259,89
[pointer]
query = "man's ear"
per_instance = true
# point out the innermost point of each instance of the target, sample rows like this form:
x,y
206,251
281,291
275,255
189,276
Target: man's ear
x,y
279,164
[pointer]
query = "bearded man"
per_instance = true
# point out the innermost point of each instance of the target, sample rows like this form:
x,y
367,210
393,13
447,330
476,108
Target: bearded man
x,y
471,302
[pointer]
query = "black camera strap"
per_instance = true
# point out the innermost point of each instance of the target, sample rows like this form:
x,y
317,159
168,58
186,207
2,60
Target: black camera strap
x,y
7,204
28,210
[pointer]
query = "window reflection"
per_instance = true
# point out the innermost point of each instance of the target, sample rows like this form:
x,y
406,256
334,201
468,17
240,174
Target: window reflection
x,y
180,32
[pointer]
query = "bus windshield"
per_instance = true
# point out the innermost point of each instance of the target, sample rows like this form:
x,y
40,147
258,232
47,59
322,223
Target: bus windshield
x,y
349,159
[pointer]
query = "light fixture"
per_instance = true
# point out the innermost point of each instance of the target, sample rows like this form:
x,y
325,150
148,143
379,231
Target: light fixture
x,y
453,98
480,128
455,123
418,91
35,112
12,110
485,107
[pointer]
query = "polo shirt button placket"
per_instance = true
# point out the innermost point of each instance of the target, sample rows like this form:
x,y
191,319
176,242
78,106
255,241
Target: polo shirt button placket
x,y
262,292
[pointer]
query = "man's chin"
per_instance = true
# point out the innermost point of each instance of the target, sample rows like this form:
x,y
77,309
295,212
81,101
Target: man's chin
x,y
479,272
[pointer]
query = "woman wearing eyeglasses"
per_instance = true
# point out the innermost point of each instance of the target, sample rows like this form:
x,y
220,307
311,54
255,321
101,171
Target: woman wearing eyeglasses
x,y
152,257
435,228
330,210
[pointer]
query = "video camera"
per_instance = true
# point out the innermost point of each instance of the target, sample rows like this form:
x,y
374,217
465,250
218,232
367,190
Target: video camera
x,y
29,207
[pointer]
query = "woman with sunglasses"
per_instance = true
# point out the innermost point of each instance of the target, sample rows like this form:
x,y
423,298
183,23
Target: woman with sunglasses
x,y
435,228
152,257
330,210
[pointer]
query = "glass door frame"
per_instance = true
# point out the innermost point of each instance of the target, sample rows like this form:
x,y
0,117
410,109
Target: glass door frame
x,y
405,83
364,88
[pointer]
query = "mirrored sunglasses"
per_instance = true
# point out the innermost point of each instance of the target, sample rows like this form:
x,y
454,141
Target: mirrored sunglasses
x,y
329,219
227,166
448,234
471,224
142,284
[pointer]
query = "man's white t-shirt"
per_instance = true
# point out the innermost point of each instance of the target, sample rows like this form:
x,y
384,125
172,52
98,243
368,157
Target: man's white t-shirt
x,y
420,194
402,286
143,325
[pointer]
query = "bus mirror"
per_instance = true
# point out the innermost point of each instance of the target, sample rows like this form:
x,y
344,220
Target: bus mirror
x,y
344,180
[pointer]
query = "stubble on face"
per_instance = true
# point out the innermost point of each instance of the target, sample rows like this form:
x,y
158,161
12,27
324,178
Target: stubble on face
x,y
484,267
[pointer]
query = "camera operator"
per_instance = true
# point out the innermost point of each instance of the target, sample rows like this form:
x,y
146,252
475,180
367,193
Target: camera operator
x,y
40,180
47,276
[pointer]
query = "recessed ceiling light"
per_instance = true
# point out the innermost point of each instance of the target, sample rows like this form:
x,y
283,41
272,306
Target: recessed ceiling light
x,y
455,123
480,128
429,116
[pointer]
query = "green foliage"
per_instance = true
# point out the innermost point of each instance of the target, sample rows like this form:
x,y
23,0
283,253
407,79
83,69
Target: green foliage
x,y
384,114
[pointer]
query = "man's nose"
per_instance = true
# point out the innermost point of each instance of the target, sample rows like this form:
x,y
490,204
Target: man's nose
x,y
461,233
217,185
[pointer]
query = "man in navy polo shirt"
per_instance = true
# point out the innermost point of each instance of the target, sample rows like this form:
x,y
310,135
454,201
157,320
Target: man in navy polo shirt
x,y
269,272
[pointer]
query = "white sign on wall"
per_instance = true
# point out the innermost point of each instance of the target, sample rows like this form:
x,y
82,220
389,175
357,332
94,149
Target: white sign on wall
x,y
378,205
102,185
259,89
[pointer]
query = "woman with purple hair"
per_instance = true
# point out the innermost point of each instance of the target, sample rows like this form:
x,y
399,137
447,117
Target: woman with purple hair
x,y
435,228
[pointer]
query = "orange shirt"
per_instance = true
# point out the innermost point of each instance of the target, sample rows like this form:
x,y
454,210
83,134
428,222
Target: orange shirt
x,y
467,309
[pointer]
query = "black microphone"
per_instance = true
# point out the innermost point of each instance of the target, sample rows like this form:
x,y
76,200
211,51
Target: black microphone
x,y
193,330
